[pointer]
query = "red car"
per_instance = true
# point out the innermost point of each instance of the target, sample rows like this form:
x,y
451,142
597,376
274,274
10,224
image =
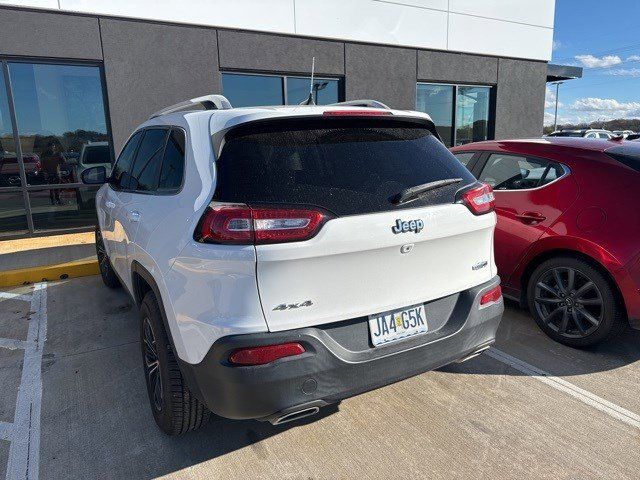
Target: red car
x,y
567,243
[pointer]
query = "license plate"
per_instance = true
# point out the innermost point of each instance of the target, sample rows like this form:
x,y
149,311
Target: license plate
x,y
391,326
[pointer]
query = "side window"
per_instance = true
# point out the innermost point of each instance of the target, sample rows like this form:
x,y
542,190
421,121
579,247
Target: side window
x,y
604,135
591,135
122,170
554,172
512,172
146,169
464,158
173,162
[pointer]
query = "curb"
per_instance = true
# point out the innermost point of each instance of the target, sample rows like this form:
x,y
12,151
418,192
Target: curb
x,y
60,271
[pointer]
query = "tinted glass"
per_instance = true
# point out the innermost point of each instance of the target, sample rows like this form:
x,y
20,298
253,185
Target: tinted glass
x,y
146,168
252,90
511,172
464,158
96,155
173,162
566,134
63,208
13,216
347,167
472,114
9,169
325,91
437,101
554,172
122,168
59,108
627,154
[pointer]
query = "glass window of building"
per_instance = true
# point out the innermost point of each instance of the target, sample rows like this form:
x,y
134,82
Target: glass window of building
x,y
462,114
249,90
60,117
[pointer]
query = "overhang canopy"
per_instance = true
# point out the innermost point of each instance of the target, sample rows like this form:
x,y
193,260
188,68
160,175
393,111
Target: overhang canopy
x,y
558,73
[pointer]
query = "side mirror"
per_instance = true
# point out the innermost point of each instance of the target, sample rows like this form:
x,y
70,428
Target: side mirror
x,y
94,175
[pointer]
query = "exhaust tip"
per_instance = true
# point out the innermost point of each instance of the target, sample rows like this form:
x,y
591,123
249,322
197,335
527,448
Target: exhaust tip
x,y
478,352
298,414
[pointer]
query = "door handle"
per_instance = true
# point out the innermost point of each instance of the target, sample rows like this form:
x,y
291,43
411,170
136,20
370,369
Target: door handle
x,y
134,216
531,217
109,204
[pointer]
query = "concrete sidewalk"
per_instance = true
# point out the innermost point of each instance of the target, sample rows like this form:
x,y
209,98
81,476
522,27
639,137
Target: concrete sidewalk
x,y
55,257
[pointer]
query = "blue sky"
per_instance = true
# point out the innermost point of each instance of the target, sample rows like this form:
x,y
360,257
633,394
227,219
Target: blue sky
x,y
602,37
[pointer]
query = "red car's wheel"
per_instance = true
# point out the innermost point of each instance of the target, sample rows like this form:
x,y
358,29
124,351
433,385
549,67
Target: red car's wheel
x,y
574,303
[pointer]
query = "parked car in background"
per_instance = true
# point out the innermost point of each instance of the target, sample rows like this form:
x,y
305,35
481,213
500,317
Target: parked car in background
x,y
10,170
285,258
634,136
623,133
567,241
586,133
92,154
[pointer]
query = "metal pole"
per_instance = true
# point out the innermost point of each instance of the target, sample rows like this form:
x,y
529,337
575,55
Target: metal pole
x,y
555,119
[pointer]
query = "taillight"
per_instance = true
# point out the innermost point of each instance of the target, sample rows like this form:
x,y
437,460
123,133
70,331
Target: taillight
x,y
480,199
266,354
357,113
245,225
491,296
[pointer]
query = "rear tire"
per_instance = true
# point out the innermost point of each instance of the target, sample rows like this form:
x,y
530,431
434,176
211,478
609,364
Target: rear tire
x,y
574,303
109,277
174,408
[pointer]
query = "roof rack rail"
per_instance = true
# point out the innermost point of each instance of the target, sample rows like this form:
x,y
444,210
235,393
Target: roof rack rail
x,y
362,103
206,102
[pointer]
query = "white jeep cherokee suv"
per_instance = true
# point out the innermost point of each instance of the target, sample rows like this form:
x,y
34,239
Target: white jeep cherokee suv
x,y
285,258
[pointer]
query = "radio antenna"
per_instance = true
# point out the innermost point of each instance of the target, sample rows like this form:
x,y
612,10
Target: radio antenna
x,y
309,100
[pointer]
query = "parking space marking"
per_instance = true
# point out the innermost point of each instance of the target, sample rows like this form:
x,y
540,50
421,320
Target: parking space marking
x,y
6,431
558,383
14,296
12,343
24,450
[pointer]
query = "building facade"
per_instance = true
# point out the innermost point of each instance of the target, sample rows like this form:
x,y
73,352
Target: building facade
x,y
78,77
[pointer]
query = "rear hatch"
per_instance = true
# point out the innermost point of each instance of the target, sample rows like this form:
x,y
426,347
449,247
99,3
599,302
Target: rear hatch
x,y
368,254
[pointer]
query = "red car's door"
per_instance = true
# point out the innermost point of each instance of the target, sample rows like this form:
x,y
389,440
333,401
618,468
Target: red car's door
x,y
528,201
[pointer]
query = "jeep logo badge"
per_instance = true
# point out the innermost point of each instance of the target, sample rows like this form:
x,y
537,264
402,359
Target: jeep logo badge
x,y
408,226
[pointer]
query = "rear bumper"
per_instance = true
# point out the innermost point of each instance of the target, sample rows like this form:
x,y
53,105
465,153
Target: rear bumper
x,y
339,361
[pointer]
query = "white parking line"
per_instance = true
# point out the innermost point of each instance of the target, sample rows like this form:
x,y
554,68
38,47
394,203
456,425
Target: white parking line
x,y
558,383
24,450
14,296
12,343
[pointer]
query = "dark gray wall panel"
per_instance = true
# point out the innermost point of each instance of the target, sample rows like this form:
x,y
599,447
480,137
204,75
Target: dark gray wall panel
x,y
520,98
42,34
256,51
456,67
149,66
386,74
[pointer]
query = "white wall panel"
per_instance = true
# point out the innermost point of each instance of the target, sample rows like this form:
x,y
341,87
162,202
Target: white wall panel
x,y
532,12
495,37
372,21
50,4
436,4
269,15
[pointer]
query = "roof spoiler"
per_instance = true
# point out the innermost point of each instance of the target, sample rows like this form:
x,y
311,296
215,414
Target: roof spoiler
x,y
361,103
206,102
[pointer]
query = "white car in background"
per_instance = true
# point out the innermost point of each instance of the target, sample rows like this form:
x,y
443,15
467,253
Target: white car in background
x,y
92,154
585,133
285,258
623,133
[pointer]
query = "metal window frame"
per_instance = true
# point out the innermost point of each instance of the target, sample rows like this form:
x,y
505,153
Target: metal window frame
x,y
25,188
492,102
283,80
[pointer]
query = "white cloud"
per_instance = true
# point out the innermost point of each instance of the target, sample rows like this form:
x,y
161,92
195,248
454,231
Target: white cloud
x,y
625,72
592,104
633,58
550,99
590,61
590,109
556,44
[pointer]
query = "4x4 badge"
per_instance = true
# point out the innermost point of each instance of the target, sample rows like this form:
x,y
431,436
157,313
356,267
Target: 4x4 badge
x,y
408,226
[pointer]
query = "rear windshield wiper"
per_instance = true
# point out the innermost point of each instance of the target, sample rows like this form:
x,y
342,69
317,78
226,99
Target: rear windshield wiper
x,y
413,193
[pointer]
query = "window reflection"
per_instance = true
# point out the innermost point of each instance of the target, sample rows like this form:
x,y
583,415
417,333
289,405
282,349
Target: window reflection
x,y
9,168
75,207
437,101
472,114
325,91
61,121
13,216
252,90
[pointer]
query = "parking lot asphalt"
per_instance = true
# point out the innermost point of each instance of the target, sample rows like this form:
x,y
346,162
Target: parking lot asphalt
x,y
530,408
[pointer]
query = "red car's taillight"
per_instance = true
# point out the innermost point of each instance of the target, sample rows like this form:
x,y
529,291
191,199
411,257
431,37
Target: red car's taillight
x,y
480,199
245,225
266,354
491,296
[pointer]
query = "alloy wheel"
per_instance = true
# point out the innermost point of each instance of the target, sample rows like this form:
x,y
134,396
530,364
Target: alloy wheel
x,y
568,302
152,364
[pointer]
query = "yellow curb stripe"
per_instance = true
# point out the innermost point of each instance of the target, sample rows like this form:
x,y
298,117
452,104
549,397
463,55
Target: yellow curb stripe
x,y
21,276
